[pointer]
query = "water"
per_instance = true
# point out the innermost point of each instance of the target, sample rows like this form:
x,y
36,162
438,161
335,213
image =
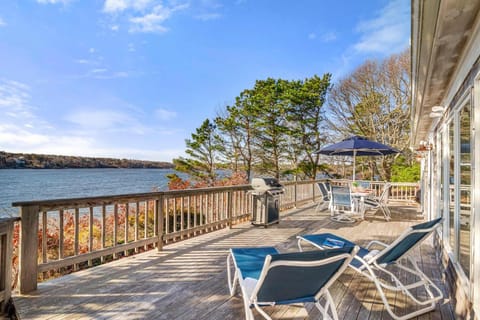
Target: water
x,y
42,184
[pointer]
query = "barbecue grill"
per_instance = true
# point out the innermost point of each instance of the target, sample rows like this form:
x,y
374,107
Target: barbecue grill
x,y
266,201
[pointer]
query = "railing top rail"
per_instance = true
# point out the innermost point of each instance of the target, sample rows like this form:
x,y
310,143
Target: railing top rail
x,y
289,183
105,200
9,220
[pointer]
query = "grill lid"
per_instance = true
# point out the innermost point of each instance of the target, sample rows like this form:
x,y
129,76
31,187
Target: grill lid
x,y
262,185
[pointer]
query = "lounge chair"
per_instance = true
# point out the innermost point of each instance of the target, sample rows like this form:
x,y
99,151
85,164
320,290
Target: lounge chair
x,y
267,277
380,202
325,197
374,263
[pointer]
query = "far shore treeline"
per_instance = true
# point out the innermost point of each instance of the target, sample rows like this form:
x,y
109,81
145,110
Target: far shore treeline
x,y
275,127
43,161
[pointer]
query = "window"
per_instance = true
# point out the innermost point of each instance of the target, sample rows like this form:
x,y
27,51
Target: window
x,y
465,187
451,184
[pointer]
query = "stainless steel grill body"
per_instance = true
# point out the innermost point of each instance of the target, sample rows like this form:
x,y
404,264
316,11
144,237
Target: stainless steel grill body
x,y
266,205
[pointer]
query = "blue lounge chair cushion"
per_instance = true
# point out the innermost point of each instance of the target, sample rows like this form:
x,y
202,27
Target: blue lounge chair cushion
x,y
426,225
250,260
289,284
408,242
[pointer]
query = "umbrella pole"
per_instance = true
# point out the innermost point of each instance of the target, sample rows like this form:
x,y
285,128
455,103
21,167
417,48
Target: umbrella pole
x,y
354,154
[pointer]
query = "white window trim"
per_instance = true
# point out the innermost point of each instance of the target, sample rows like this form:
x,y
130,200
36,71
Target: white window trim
x,y
475,274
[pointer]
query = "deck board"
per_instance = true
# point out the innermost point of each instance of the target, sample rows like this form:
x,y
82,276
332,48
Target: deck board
x,y
187,280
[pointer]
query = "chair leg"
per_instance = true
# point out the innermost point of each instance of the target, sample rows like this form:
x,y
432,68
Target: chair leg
x,y
260,310
329,305
424,281
232,284
248,310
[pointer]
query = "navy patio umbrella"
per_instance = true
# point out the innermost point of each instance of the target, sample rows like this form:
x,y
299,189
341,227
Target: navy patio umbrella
x,y
357,146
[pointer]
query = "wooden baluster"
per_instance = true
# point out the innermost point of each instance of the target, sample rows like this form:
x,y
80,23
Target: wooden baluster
x,y
189,219
61,235
127,208
145,224
217,210
104,214
76,237
229,209
90,234
195,217
167,216
44,242
6,244
155,220
115,228
174,214
159,217
182,218
137,208
200,210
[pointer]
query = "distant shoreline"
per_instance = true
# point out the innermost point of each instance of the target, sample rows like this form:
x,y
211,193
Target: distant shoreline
x,y
42,161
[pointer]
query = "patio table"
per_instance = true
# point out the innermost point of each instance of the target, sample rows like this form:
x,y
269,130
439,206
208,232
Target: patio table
x,y
359,201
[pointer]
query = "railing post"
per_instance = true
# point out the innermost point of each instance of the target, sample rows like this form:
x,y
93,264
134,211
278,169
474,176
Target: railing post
x,y
229,209
295,193
28,249
6,245
159,217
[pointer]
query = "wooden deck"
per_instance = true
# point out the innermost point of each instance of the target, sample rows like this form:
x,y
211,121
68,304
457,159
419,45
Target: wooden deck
x,y
187,280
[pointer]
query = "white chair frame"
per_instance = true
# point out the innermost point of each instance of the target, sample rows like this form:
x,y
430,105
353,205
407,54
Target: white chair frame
x,y
326,199
380,202
250,296
371,269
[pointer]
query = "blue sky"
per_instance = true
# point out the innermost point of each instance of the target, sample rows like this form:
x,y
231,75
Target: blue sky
x,y
134,78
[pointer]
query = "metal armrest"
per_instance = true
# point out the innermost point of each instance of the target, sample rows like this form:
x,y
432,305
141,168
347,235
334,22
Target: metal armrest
x,y
377,243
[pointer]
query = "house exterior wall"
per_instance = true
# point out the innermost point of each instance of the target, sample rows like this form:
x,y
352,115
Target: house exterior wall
x,y
446,158
451,167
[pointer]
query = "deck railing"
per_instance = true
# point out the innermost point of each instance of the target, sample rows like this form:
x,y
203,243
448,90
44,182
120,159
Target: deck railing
x,y
65,235
6,248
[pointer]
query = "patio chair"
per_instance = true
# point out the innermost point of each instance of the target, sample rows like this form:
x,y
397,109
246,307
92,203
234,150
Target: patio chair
x,y
377,266
267,277
380,202
342,207
325,198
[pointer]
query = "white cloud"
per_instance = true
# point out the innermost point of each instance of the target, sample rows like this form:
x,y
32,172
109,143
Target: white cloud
x,y
102,74
209,10
151,22
15,100
82,61
142,15
116,6
112,6
98,119
131,47
91,131
164,114
329,37
11,135
208,16
100,70
312,36
54,1
92,50
388,32
2,22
